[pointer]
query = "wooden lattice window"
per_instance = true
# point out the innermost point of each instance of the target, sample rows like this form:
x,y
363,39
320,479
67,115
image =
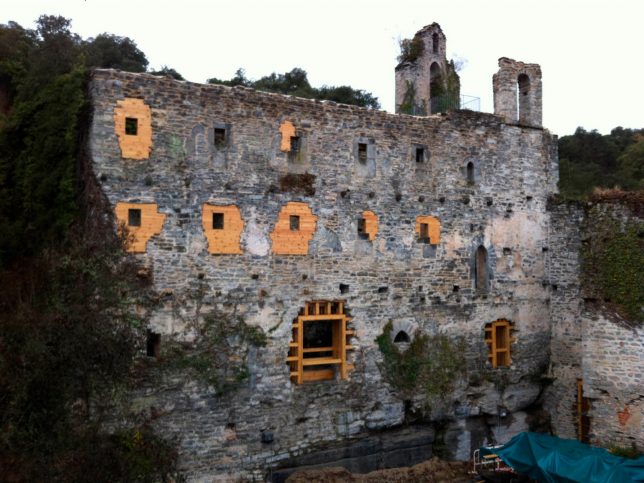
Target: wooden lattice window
x,y
318,348
498,340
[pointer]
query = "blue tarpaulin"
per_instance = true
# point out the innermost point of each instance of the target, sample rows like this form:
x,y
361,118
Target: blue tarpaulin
x,y
554,460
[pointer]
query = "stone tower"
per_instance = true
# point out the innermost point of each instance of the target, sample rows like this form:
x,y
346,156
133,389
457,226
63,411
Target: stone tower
x,y
426,82
517,92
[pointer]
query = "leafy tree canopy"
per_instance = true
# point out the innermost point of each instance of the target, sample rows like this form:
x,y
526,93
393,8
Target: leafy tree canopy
x,y
114,52
296,83
591,160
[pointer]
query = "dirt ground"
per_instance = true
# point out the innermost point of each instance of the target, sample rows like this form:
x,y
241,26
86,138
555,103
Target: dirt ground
x,y
431,471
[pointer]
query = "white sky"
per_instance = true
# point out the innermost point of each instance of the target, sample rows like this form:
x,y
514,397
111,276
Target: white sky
x,y
590,51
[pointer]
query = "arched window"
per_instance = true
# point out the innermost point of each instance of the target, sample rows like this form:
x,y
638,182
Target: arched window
x,y
435,43
402,336
481,269
523,91
470,172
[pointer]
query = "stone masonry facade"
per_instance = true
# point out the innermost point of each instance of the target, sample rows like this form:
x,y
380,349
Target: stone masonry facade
x,y
438,224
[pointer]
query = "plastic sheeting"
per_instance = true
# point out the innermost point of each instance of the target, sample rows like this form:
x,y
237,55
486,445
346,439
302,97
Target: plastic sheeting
x,y
554,460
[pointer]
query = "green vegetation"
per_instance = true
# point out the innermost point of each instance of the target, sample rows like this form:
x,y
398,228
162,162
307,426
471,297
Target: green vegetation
x,y
410,49
296,83
590,160
430,365
70,329
625,452
218,356
613,263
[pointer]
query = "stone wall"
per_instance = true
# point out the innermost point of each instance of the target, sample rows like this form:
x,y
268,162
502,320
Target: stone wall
x,y
517,92
613,375
392,275
589,342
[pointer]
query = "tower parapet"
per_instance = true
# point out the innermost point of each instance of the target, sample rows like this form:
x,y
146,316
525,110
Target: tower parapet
x,y
426,82
517,92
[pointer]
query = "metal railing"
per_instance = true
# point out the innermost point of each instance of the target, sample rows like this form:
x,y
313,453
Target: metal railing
x,y
451,103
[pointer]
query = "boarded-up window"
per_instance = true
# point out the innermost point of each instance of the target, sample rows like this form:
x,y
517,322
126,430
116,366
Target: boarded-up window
x,y
481,269
318,348
428,229
498,340
222,226
294,229
139,222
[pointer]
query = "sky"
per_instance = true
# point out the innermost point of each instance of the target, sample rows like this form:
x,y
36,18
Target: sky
x,y
590,51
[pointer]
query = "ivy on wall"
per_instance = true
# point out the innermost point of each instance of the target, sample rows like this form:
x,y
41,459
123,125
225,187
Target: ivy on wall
x,y
613,262
430,365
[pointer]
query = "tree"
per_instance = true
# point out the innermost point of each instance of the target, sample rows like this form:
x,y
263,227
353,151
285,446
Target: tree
x,y
296,83
113,52
589,159
630,166
166,71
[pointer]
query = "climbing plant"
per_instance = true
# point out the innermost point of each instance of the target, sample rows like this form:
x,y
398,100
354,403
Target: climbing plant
x,y
430,365
411,49
218,355
613,263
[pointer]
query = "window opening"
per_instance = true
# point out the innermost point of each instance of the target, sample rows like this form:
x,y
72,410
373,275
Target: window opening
x,y
470,172
523,89
153,344
497,338
420,155
424,233
294,222
481,269
318,349
217,221
133,217
402,336
435,43
131,126
362,229
362,153
220,136
295,144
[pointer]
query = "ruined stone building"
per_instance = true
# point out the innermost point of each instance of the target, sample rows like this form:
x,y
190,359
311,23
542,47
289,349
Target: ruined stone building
x,y
318,224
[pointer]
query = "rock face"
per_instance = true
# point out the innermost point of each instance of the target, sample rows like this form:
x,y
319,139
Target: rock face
x,y
299,176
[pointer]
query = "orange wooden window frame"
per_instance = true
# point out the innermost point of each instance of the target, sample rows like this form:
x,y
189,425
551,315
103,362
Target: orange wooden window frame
x,y
318,368
498,339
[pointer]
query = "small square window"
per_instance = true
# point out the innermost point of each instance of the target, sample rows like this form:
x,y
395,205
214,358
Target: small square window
x,y
131,126
133,217
420,155
217,221
294,221
424,233
362,153
220,136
